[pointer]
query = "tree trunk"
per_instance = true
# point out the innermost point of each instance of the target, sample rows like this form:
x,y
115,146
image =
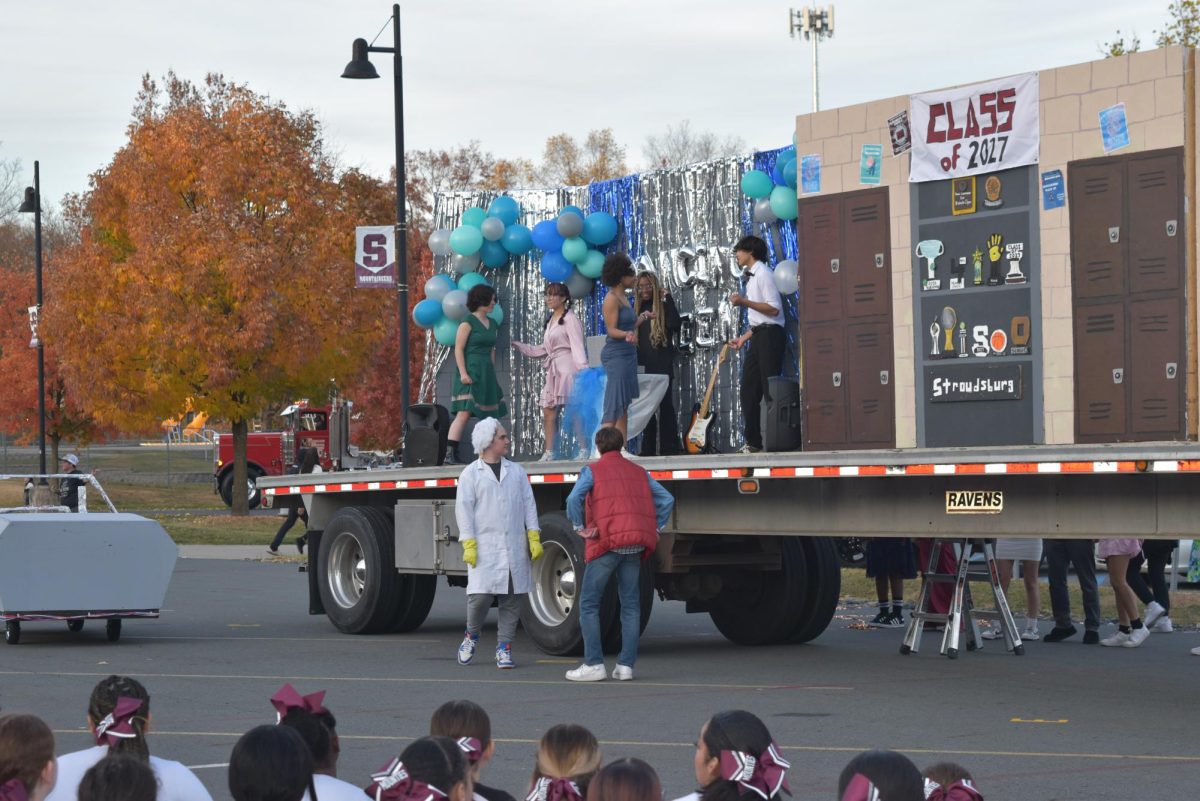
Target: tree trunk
x,y
241,499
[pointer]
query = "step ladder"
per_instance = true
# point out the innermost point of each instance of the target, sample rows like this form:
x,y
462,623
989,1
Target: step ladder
x,y
962,614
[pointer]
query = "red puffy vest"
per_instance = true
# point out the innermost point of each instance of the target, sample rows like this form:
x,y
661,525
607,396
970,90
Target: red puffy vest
x,y
621,507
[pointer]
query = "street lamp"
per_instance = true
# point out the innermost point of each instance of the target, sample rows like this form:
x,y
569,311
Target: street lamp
x,y
360,67
33,205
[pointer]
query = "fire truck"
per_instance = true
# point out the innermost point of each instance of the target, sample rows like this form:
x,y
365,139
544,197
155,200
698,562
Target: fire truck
x,y
271,453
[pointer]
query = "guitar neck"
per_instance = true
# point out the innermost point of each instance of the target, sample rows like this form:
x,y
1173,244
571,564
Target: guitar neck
x,y
712,383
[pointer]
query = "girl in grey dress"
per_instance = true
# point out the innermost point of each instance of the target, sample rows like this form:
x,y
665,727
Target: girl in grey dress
x,y
619,356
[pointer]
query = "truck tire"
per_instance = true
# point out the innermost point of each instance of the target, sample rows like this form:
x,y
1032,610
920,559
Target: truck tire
x,y
255,494
416,599
823,589
356,571
767,607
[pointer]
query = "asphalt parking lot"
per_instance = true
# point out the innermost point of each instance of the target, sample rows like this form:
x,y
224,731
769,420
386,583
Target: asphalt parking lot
x,y
1065,721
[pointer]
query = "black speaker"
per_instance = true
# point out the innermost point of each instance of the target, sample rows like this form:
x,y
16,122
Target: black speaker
x,y
781,415
425,435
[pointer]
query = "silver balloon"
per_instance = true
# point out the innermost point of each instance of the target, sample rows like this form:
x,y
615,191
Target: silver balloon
x,y
763,213
569,224
492,228
580,286
439,242
438,286
464,264
786,277
454,304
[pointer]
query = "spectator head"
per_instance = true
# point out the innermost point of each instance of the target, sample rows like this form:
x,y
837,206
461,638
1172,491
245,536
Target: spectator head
x,y
119,716
609,439
489,439
625,780
467,724
270,763
428,763
119,778
750,249
725,735
480,296
949,781
27,756
316,735
617,268
894,776
568,751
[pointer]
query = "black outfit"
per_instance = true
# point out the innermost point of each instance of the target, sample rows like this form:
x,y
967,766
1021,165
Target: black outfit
x,y
68,491
296,512
1081,555
764,361
492,794
661,436
1157,554
891,556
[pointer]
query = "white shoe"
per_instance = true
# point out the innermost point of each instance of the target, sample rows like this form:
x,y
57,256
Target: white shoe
x,y
1163,626
588,673
547,456
1196,651
1117,640
1137,637
1031,631
991,633
1154,611
622,673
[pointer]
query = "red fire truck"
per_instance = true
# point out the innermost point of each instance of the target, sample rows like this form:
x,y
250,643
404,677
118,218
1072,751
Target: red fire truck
x,y
271,453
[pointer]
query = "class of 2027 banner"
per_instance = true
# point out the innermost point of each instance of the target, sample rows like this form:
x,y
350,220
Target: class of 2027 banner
x,y
969,130
375,257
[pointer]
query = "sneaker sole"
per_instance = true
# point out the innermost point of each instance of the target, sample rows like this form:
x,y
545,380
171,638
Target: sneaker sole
x,y
601,677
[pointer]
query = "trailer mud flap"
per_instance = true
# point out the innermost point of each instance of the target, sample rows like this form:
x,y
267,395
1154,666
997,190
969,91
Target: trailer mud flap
x,y
315,607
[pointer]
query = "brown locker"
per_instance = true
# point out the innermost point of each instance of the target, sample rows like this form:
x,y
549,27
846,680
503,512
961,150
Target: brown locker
x,y
1155,223
820,262
1156,353
872,396
866,263
1097,239
1100,372
824,386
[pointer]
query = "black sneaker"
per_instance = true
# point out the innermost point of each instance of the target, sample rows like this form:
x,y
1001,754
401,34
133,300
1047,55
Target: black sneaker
x,y
1091,638
1060,633
881,619
894,621
301,541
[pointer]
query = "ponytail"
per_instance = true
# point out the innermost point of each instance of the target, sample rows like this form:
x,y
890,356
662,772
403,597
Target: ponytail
x,y
104,702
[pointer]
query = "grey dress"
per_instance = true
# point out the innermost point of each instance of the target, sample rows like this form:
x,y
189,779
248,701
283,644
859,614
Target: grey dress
x,y
620,367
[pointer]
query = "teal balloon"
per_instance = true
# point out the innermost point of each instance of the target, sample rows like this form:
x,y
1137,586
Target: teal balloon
x,y
427,312
574,250
465,240
506,209
783,202
445,330
496,314
756,184
789,173
474,216
493,254
592,266
471,280
599,228
517,239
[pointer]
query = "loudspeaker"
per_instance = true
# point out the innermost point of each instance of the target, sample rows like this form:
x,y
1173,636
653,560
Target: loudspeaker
x,y
425,435
781,415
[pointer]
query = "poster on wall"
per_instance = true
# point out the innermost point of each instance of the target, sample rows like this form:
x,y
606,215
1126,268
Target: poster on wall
x,y
1054,193
1114,128
869,164
810,174
375,256
899,132
974,129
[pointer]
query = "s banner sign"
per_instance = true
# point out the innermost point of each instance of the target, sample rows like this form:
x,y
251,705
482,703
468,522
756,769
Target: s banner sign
x,y
375,256
975,129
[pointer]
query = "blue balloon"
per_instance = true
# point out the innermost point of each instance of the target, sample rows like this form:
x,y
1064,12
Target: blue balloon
x,y
445,330
789,173
470,281
493,254
555,267
517,239
599,228
545,236
427,312
777,171
474,216
496,314
506,209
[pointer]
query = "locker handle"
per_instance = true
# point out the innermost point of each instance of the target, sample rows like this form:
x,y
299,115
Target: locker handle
x,y
835,265
1172,370
883,377
837,379
1114,234
1118,374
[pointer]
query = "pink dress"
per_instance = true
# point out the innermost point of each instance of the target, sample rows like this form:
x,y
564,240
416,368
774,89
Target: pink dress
x,y
1119,547
565,355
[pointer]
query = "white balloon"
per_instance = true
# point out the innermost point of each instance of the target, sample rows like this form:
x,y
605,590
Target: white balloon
x,y
439,242
763,213
580,286
437,287
786,277
461,265
492,228
454,304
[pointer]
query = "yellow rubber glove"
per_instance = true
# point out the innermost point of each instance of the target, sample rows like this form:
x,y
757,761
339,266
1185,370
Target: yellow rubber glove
x,y
535,544
470,552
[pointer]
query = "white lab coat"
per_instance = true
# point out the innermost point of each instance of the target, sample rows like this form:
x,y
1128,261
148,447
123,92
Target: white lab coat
x,y
496,514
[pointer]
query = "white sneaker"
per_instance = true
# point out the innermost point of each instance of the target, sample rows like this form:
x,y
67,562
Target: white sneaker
x,y
1196,651
588,673
1117,640
547,456
1031,631
622,673
1137,637
991,633
1163,626
1154,611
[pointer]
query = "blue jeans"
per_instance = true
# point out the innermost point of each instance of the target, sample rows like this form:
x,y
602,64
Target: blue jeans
x,y
628,567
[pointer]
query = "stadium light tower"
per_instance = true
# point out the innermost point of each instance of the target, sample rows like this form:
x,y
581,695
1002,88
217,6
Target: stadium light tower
x,y
815,24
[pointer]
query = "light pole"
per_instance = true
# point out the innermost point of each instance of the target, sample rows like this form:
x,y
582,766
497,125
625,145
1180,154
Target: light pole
x,y
360,66
33,205
813,23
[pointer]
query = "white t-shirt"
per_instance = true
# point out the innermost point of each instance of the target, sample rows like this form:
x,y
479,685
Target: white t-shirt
x,y
175,782
330,788
761,289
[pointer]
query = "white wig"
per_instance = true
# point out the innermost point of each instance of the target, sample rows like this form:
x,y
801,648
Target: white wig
x,y
483,434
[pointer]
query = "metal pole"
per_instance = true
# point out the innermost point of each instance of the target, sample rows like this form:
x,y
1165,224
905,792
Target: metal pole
x,y
41,355
401,221
816,37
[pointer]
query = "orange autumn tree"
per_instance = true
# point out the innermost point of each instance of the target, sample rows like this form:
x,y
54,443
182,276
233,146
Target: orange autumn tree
x,y
214,263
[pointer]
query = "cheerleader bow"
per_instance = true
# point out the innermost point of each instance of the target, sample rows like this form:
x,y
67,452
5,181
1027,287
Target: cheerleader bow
x,y
393,783
471,747
861,789
547,789
118,724
764,775
13,790
287,699
962,790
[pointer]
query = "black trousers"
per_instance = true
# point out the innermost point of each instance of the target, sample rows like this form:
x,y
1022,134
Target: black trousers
x,y
763,361
295,513
1156,559
661,435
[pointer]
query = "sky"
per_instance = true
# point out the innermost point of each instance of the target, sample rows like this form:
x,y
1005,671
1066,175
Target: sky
x,y
511,74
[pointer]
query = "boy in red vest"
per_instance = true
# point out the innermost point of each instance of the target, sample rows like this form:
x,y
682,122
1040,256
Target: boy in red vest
x,y
625,511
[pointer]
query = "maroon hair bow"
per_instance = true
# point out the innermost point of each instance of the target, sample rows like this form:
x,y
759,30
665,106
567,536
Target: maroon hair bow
x,y
393,783
860,788
962,790
13,790
118,724
547,789
287,699
764,775
471,747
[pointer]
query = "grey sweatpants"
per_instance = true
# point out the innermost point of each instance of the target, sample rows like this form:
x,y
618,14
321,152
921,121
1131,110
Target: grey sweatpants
x,y
509,605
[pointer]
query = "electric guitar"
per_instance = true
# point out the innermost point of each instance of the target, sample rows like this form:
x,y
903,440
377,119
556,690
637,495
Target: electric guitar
x,y
702,416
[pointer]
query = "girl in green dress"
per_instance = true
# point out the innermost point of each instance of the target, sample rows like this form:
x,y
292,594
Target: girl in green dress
x,y
476,391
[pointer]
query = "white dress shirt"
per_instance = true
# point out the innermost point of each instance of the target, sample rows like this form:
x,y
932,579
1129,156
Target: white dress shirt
x,y
761,289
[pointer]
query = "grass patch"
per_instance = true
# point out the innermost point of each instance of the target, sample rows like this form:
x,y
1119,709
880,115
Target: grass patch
x,y
224,529
132,497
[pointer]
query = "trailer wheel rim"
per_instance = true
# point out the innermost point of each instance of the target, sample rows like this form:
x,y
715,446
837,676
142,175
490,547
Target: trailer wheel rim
x,y
554,585
347,570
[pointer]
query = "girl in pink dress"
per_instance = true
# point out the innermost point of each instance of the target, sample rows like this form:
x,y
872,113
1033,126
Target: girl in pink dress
x,y
1117,553
565,355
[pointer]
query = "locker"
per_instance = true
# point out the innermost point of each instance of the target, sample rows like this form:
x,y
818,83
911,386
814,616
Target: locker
x,y
1156,351
872,398
1097,217
820,262
824,387
867,264
1100,372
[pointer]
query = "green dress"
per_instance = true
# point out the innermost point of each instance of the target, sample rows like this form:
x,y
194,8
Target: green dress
x,y
483,396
